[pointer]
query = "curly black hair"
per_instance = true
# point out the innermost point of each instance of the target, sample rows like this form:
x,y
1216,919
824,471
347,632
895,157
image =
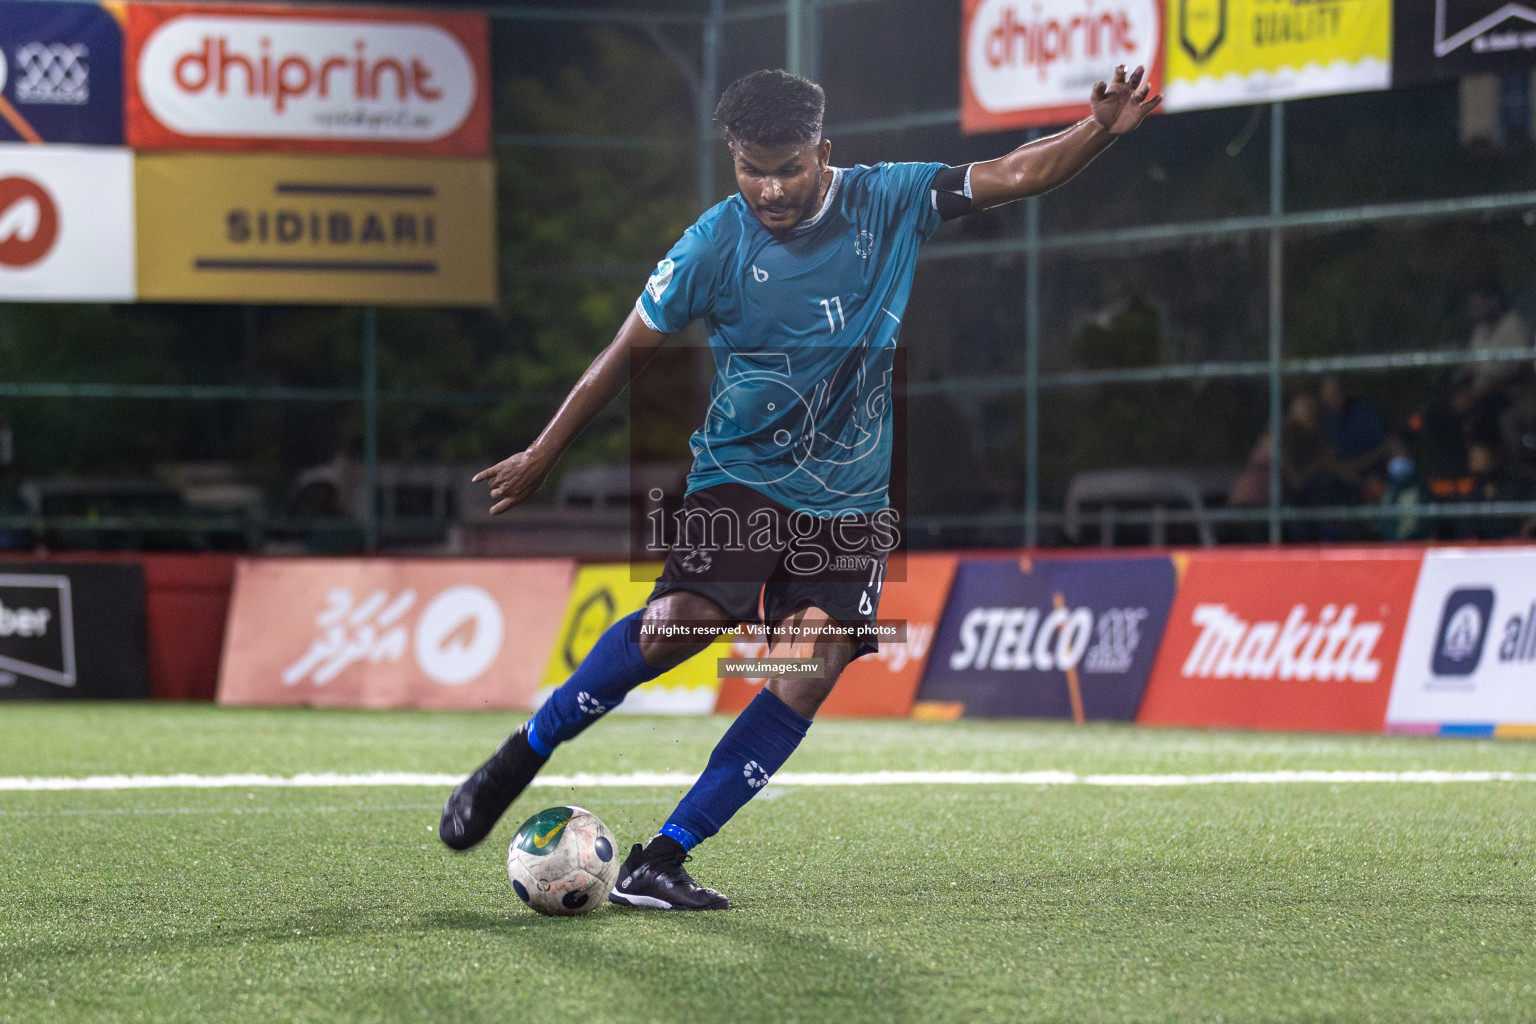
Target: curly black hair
x,y
771,108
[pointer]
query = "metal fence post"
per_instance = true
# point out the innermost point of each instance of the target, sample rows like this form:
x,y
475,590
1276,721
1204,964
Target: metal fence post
x,y
1276,309
709,85
370,429
1032,368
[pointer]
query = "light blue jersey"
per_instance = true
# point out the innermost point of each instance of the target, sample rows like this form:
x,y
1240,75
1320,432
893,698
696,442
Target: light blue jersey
x,y
803,334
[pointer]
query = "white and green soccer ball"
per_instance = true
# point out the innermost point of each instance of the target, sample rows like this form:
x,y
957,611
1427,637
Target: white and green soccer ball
x,y
563,860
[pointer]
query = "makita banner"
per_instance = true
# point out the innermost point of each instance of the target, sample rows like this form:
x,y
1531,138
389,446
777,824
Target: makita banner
x,y
71,631
1468,663
348,80
387,633
1433,40
61,73
66,224
1050,638
1034,62
1283,640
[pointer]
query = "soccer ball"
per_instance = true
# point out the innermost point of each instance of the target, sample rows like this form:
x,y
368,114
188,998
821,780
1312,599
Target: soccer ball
x,y
564,861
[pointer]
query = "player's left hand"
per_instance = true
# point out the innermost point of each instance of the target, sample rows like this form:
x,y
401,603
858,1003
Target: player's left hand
x,y
1121,105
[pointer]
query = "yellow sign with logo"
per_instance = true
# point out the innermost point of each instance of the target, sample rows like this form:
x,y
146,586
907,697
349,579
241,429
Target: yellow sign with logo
x,y
1222,53
216,227
603,594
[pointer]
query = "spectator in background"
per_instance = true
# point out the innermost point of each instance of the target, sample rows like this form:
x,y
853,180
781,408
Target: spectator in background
x,y
1355,428
1495,326
1404,493
1492,481
1311,471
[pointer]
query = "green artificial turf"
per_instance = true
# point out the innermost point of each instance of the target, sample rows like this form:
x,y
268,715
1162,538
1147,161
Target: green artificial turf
x,y
1401,902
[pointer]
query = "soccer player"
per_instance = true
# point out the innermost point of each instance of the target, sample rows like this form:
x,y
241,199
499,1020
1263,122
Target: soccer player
x,y
801,280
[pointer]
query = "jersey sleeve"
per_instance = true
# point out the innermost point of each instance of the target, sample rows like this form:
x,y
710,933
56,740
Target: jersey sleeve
x,y
910,189
682,287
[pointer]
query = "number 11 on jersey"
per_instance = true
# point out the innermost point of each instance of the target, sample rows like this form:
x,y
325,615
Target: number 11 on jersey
x,y
827,305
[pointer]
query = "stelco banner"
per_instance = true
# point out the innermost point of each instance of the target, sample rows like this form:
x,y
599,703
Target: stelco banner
x,y
66,224
61,73
1050,638
318,80
1440,39
1283,640
269,228
1034,62
883,684
1227,52
1468,664
72,631
390,633
601,596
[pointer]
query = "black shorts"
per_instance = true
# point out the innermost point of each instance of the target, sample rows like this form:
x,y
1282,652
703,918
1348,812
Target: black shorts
x,y
735,546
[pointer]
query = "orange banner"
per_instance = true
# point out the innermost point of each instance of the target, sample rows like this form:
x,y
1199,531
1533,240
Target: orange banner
x,y
881,685
329,80
377,633
1283,640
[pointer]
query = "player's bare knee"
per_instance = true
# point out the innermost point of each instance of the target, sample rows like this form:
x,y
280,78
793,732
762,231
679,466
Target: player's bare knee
x,y
678,625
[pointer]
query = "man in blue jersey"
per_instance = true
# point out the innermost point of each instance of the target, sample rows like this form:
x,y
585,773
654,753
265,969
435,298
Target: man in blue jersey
x,y
801,281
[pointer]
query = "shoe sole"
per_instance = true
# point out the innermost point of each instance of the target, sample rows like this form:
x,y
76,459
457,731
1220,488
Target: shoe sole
x,y
651,902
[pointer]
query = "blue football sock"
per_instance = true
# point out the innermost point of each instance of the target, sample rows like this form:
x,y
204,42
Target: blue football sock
x,y
600,683
755,746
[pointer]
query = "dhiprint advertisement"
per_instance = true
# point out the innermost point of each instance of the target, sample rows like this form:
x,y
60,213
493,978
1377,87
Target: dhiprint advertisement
x,y
61,73
311,80
1025,63
218,227
1468,663
602,595
1050,638
1434,40
1283,640
72,631
66,224
391,633
883,684
1224,53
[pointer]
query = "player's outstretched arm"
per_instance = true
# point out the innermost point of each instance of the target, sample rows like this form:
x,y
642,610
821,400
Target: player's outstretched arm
x,y
513,479
1118,106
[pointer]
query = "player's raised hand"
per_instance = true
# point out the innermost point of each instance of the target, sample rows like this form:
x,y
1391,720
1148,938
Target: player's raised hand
x,y
513,479
1122,104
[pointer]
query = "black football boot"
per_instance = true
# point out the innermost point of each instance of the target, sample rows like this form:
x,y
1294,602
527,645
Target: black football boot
x,y
474,808
655,877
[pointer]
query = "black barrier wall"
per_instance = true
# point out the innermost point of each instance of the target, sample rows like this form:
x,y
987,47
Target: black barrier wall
x,y
72,631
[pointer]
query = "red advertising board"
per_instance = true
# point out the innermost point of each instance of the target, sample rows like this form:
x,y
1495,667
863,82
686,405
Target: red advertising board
x,y
884,684
329,80
1304,640
1025,63
388,633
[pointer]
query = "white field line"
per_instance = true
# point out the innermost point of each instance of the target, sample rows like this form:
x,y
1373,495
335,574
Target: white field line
x,y
329,780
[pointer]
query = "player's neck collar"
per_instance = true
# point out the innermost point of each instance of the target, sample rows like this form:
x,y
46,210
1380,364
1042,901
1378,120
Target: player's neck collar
x,y
826,204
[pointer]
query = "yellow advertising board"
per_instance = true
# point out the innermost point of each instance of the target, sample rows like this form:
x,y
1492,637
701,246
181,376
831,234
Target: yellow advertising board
x,y
603,594
1222,53
217,227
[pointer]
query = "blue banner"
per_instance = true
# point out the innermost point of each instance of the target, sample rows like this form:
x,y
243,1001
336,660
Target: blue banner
x,y
1053,638
62,69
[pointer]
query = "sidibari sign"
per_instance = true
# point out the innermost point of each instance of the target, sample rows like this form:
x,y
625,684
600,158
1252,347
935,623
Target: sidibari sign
x,y
1034,62
329,81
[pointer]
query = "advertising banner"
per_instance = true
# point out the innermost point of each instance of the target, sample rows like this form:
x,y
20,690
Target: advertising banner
x,y
72,631
883,684
262,228
1034,62
1050,638
66,224
601,596
1433,40
1223,53
1283,640
61,73
1468,663
332,80
391,633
